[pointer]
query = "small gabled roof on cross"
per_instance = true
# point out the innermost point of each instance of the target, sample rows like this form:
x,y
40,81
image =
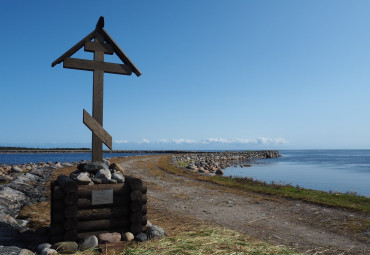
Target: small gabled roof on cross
x,y
108,39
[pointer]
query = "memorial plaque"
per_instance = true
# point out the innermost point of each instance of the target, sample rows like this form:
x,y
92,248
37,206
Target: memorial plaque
x,y
102,197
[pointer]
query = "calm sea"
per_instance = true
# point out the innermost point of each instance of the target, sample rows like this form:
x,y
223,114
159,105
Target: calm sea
x,y
21,158
327,170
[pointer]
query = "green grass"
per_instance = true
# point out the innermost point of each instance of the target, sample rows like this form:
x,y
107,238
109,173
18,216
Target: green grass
x,y
343,200
206,240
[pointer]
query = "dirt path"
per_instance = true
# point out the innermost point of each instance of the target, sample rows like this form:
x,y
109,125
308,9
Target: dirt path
x,y
302,226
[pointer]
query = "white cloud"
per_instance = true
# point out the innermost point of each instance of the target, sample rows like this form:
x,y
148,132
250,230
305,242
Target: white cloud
x,y
182,140
212,140
121,141
216,140
163,141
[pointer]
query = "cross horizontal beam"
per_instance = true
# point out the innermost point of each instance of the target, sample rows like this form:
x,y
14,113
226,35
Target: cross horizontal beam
x,y
97,129
90,65
97,46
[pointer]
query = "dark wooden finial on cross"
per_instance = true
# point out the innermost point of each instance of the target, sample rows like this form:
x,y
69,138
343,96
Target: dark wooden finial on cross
x,y
102,44
100,23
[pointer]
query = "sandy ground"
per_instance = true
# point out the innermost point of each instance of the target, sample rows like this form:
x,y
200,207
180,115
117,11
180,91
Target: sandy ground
x,y
304,227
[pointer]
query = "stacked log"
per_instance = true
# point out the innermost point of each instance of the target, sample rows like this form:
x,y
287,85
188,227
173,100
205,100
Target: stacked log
x,y
74,214
138,199
64,209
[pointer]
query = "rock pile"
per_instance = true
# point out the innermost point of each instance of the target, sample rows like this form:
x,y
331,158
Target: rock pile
x,y
90,173
24,185
213,163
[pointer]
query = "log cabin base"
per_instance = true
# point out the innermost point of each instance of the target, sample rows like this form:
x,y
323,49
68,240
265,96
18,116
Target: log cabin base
x,y
78,211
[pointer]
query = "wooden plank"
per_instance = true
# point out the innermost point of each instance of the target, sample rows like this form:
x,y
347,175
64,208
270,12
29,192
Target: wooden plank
x,y
97,129
90,65
75,48
103,213
119,52
96,46
98,85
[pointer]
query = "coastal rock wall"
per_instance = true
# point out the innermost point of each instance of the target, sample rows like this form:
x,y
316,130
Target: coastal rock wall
x,y
211,163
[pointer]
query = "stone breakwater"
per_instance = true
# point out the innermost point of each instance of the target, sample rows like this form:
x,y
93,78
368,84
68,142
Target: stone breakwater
x,y
212,163
22,185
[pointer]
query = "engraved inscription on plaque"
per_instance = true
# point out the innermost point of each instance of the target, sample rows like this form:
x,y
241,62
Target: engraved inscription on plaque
x,y
102,197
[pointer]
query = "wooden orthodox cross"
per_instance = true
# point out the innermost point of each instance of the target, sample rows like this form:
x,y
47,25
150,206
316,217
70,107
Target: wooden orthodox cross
x,y
102,44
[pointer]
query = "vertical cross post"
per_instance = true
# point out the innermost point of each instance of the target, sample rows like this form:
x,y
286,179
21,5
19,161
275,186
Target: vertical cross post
x,y
97,150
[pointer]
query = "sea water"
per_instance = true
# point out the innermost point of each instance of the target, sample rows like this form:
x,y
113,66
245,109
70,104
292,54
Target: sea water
x,y
23,158
327,170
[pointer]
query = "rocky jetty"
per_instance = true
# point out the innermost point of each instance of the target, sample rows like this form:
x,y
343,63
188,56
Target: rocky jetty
x,y
213,163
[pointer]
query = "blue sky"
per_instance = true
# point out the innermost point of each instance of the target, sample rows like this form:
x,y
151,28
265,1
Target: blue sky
x,y
215,74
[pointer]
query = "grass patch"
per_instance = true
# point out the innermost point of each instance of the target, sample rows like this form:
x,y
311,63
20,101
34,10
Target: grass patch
x,y
343,200
205,240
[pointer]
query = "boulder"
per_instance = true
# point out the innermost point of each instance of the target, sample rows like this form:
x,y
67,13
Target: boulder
x,y
29,190
103,174
109,237
142,237
10,250
128,236
26,252
88,243
117,167
83,179
106,161
92,167
42,246
48,251
11,200
111,181
5,178
155,232
16,169
96,180
219,172
118,176
65,247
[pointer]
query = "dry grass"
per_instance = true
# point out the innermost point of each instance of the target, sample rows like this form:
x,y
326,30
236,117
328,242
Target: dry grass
x,y
205,240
